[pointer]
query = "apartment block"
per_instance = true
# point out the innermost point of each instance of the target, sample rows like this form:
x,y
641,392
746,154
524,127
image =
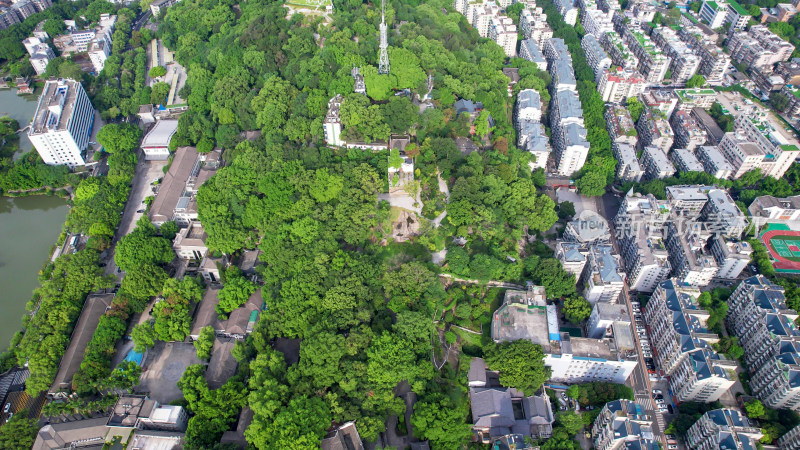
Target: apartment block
x,y
529,105
628,167
759,47
731,257
684,62
623,424
689,134
713,13
532,138
769,208
722,214
620,55
567,10
654,130
723,428
603,278
656,164
688,200
653,64
713,131
40,54
790,440
596,57
533,24
620,125
688,99
563,75
713,61
617,84
62,123
682,344
597,22
569,134
686,161
779,146
714,162
759,317
605,318
503,31
737,16
741,153
794,100
686,243
482,15
555,48
530,50
572,256
664,102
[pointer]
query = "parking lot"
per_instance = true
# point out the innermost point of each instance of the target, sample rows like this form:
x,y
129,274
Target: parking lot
x,y
165,364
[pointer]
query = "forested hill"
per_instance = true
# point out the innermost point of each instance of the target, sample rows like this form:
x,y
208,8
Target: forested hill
x,y
363,311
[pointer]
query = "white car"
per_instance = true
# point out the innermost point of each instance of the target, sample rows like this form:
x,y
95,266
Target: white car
x,y
647,354
672,446
657,391
660,401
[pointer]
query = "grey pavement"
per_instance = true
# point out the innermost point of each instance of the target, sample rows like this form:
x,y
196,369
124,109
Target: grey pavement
x,y
165,364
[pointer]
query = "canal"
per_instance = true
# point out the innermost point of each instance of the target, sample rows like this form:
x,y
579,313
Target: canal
x,y
29,226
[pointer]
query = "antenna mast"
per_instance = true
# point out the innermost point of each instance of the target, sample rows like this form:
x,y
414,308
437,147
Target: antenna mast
x,y
383,56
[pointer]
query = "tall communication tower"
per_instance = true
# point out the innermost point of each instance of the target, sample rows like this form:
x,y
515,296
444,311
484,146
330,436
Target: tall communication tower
x,y
383,57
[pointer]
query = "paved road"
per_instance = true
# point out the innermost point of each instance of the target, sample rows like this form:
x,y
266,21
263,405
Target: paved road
x,y
608,205
146,173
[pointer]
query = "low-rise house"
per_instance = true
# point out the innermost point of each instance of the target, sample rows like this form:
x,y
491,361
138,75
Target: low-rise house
x,y
344,437
190,242
175,199
155,144
239,323
501,411
93,308
773,209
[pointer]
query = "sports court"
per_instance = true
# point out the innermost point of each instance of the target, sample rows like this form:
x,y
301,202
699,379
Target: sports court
x,y
783,245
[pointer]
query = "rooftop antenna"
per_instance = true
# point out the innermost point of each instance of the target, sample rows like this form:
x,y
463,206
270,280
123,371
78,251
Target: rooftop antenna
x,y
383,57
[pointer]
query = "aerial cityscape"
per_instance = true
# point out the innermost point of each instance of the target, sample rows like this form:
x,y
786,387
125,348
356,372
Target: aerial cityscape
x,y
421,224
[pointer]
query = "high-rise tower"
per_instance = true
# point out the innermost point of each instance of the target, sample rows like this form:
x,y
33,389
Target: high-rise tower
x,y
383,56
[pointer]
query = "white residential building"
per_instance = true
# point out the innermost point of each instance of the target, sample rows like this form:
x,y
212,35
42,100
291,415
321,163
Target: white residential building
x,y
686,243
779,146
640,226
689,134
741,153
532,138
567,10
530,50
62,123
628,167
596,57
482,16
572,256
656,164
603,279
654,130
773,209
713,13
503,31
685,161
759,317
605,318
40,54
723,429
682,344
616,84
732,257
99,50
529,105
723,215
715,162
623,424
533,23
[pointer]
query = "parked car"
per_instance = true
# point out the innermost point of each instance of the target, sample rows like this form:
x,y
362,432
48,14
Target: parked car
x,y
672,446
564,395
646,354
668,436
140,211
658,397
660,401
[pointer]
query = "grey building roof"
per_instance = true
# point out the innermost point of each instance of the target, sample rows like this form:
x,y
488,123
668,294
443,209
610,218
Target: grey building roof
x,y
686,160
563,73
160,134
574,134
588,226
715,158
468,106
529,98
534,53
606,264
559,46
626,155
568,104
590,44
572,252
